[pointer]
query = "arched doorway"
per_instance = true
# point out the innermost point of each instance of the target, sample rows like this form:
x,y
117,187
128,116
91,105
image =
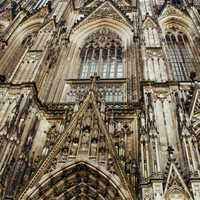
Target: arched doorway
x,y
78,180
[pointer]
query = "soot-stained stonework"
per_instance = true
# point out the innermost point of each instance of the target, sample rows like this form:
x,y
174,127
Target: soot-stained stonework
x,y
99,100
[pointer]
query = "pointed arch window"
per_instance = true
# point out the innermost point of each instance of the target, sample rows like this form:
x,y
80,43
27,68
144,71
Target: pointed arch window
x,y
180,56
102,54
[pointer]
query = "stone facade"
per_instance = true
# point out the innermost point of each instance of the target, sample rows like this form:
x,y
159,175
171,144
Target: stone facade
x,y
99,99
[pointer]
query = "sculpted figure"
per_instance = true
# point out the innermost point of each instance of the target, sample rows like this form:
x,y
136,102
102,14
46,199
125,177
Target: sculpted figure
x,y
64,154
87,119
45,151
93,148
143,122
76,107
74,148
151,116
119,127
77,133
111,127
85,140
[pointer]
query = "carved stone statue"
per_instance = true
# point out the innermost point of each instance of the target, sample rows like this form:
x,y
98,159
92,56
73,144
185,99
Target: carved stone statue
x,y
111,127
87,119
85,140
45,151
143,121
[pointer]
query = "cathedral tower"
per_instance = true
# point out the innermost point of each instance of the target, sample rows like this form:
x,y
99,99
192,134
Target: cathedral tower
x,y
99,100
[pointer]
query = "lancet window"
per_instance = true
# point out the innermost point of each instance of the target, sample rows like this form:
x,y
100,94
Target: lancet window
x,y
102,54
180,56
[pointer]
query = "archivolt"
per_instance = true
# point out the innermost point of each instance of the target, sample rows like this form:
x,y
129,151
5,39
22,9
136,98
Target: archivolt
x,y
78,180
15,44
79,35
85,30
26,29
183,24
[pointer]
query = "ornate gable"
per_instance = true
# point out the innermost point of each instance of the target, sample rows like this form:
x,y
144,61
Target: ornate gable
x,y
104,10
194,110
110,11
120,3
170,11
48,26
86,138
175,181
149,23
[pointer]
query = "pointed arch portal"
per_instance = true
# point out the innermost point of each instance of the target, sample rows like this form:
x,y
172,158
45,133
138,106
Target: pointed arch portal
x,y
83,179
78,180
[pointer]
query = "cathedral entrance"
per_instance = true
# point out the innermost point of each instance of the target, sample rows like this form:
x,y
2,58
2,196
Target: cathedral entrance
x,y
80,180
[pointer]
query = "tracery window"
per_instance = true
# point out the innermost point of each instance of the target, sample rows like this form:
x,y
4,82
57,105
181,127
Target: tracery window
x,y
102,54
180,56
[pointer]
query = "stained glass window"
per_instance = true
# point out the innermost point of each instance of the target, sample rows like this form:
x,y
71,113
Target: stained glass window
x,y
180,56
102,54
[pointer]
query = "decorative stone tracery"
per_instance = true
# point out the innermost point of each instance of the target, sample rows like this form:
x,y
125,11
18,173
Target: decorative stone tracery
x,y
102,54
89,106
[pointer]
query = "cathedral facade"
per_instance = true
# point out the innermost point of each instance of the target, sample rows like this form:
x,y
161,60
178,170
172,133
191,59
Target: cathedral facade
x,y
99,100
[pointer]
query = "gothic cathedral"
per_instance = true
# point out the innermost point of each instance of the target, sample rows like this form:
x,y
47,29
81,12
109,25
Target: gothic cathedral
x,y
99,99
